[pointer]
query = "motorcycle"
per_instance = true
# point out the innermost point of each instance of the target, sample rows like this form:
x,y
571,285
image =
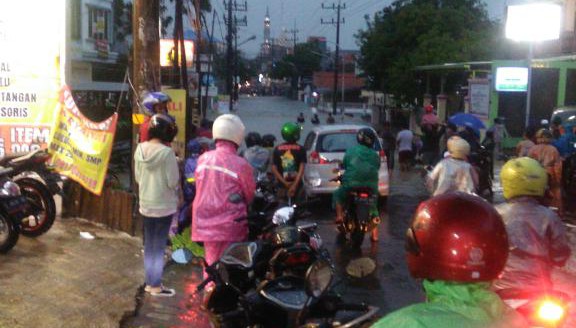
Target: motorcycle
x,y
482,162
287,301
26,169
357,219
283,248
14,207
540,308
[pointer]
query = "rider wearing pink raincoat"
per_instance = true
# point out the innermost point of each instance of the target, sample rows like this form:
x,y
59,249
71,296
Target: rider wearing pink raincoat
x,y
224,188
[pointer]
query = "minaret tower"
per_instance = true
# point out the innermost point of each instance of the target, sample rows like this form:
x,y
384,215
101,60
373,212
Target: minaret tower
x,y
266,46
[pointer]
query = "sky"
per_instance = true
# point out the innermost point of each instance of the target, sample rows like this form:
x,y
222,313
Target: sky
x,y
306,15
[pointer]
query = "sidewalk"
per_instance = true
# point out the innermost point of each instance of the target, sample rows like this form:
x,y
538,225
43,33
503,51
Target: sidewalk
x,y
63,280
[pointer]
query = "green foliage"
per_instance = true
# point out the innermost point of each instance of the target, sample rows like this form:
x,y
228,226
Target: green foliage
x,y
183,241
305,60
410,33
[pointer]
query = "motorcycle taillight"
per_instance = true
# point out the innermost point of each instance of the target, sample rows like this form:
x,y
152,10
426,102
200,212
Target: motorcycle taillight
x,y
295,259
549,312
363,195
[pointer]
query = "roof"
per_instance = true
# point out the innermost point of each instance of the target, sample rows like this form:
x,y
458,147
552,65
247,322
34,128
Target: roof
x,y
338,127
455,66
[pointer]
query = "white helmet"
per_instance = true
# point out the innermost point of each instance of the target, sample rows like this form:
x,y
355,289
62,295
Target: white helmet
x,y
458,147
228,127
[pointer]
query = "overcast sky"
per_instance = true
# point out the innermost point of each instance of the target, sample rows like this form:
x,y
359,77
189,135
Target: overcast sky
x,y
306,16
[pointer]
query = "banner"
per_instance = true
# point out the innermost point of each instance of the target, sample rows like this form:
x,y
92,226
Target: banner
x,y
177,108
30,72
80,147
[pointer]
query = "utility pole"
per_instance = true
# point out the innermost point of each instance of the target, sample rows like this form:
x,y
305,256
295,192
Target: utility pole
x,y
146,56
231,21
197,47
294,32
336,53
211,54
237,22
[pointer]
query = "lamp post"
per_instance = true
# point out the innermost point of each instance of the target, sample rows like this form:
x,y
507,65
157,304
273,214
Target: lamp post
x,y
533,22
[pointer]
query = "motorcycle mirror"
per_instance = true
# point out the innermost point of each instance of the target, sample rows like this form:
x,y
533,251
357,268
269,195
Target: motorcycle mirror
x,y
318,278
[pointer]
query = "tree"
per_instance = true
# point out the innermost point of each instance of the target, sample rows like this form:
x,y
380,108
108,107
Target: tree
x,y
305,60
410,33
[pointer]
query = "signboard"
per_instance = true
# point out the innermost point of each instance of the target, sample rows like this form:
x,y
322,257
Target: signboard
x,y
534,22
177,108
479,92
80,147
32,43
512,79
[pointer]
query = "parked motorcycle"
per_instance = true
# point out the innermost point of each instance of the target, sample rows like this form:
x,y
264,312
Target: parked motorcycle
x,y
13,208
39,184
287,301
540,308
283,248
357,217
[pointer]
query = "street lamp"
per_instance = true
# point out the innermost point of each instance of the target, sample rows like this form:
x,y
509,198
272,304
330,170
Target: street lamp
x,y
531,23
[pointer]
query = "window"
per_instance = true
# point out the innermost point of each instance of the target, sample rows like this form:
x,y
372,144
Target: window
x,y
76,21
339,142
99,23
309,140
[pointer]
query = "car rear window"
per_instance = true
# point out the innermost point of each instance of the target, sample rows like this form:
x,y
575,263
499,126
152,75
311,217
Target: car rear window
x,y
339,142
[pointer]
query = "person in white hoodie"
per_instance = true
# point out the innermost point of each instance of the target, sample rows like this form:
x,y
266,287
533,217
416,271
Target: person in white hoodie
x,y
453,173
156,172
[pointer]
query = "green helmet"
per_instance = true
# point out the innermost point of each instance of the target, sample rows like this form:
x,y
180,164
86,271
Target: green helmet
x,y
291,132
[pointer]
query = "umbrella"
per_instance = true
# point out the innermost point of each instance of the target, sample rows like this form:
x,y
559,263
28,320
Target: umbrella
x,y
465,119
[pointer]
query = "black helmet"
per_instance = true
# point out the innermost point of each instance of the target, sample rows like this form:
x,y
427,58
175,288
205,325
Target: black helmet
x,y
162,127
268,140
366,137
253,139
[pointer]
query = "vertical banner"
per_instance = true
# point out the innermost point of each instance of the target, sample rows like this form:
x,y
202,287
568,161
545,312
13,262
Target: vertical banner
x,y
80,147
31,40
177,109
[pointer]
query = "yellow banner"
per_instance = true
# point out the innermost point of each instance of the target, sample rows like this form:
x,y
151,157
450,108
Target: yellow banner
x,y
30,72
80,147
177,108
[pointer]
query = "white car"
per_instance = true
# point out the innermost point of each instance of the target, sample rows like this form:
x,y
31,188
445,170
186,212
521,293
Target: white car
x,y
325,147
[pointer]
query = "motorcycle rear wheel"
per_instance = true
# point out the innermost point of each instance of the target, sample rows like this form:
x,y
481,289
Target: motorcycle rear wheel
x,y
39,194
9,234
356,238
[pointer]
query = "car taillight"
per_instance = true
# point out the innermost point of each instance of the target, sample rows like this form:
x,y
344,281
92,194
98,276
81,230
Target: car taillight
x,y
382,156
315,158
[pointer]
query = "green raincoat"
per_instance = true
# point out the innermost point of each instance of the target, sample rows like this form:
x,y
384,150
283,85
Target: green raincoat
x,y
457,305
362,165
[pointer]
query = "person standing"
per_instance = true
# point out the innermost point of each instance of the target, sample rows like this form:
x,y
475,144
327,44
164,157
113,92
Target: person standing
x,y
389,145
404,141
549,157
288,160
500,133
523,147
158,177
225,187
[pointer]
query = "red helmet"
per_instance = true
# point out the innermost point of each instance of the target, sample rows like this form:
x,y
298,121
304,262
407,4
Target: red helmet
x,y
456,237
428,109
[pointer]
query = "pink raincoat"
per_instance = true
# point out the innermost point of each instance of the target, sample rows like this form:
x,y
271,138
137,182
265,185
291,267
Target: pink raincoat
x,y
221,176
